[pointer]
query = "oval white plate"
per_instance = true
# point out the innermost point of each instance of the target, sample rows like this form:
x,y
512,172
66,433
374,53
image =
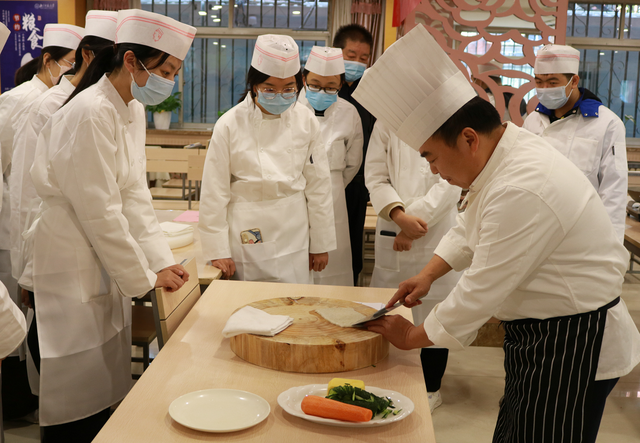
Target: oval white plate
x,y
219,410
290,401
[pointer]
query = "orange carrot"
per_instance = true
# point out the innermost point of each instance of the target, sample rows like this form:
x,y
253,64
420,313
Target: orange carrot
x,y
327,408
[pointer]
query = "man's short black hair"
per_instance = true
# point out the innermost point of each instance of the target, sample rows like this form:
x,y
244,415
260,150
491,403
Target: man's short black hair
x,y
477,114
354,33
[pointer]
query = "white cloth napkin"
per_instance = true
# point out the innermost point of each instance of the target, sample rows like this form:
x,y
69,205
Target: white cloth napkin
x,y
171,229
249,320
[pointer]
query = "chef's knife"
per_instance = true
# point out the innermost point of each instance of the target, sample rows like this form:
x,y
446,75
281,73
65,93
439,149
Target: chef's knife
x,y
378,314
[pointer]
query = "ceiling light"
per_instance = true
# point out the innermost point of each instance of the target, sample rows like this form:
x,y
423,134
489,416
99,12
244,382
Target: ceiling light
x,y
295,12
602,53
223,46
216,20
202,12
215,43
214,16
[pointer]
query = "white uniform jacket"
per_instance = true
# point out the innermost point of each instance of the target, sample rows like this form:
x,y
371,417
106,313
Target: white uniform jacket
x,y
24,199
396,175
11,105
96,243
596,144
268,173
538,244
13,327
341,130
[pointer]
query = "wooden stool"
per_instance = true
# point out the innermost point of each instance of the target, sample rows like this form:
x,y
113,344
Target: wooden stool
x,y
143,332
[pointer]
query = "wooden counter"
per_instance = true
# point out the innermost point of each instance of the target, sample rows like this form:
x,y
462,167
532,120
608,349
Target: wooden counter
x,y
177,137
632,235
197,357
206,272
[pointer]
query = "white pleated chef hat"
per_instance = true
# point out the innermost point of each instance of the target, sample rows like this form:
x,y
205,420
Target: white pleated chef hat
x,y
414,87
557,59
101,24
276,55
488,67
325,61
155,31
64,36
4,35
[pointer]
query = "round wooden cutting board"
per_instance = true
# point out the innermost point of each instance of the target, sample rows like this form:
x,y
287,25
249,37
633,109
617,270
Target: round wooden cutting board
x,y
311,344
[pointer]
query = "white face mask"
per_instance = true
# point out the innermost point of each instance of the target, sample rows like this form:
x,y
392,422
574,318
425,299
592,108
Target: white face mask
x,y
553,98
63,69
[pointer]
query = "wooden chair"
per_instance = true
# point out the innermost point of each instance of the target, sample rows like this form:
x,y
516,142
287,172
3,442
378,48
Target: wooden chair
x,y
143,332
195,168
172,161
170,308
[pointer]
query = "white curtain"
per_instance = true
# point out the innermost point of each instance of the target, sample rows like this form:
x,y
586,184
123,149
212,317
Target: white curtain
x,y
340,16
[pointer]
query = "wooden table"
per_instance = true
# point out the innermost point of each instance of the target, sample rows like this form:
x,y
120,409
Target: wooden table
x,y
197,357
632,235
206,272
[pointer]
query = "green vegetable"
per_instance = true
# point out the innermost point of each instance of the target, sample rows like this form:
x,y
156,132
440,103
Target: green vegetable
x,y
359,397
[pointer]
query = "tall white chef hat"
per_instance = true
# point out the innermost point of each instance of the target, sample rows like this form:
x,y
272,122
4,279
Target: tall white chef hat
x,y
557,59
4,35
488,67
276,55
154,30
101,24
325,61
414,87
64,36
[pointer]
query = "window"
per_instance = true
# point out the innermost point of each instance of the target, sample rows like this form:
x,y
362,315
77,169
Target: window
x,y
212,78
610,65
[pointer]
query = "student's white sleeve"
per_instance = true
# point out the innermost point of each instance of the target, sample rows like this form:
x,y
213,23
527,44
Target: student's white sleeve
x,y
377,176
439,201
13,327
613,175
322,232
89,183
215,196
355,144
510,247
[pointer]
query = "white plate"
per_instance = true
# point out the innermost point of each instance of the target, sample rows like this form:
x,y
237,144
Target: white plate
x,y
219,410
290,401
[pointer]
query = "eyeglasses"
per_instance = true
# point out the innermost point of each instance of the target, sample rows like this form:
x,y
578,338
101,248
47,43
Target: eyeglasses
x,y
330,91
270,93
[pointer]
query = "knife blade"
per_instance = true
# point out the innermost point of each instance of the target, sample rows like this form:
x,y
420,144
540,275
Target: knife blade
x,y
378,314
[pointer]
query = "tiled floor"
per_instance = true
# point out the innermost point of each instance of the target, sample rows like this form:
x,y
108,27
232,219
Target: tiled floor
x,y
472,387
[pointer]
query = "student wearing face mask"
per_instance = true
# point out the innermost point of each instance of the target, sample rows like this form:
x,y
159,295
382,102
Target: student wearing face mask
x,y
57,57
578,125
97,242
266,211
342,133
356,43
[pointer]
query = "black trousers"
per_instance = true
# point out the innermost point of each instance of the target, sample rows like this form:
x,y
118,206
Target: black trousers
x,y
357,196
78,431
434,363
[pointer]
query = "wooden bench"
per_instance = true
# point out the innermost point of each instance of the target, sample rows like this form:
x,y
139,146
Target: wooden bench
x,y
172,161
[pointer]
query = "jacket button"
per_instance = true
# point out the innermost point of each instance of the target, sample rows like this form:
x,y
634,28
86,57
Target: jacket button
x,y
289,150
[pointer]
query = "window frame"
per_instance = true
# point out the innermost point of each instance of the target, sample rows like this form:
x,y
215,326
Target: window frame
x,y
231,32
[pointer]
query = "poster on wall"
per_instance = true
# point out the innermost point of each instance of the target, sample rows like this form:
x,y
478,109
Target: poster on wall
x,y
26,21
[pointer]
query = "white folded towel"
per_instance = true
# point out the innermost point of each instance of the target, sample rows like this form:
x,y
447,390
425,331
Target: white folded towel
x,y
171,229
249,320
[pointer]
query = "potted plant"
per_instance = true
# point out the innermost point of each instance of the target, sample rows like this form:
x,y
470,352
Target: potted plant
x,y
162,112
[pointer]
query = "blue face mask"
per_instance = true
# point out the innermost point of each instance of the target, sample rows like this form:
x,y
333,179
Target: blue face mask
x,y
154,92
321,100
353,70
276,105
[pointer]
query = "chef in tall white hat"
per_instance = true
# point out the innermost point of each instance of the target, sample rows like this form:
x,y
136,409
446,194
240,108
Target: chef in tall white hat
x,y
341,130
531,228
97,242
34,78
100,33
266,211
576,123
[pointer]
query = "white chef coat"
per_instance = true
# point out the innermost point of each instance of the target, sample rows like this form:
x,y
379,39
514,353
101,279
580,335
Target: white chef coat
x,y
11,104
96,243
13,327
595,143
341,130
538,244
396,175
254,163
24,199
